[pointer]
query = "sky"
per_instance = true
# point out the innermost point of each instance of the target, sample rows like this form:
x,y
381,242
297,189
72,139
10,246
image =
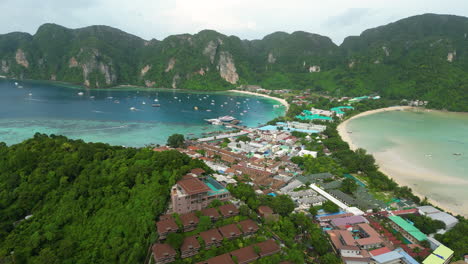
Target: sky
x,y
247,19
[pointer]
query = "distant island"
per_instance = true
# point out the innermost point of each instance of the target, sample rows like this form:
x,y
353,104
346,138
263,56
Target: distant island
x,y
417,58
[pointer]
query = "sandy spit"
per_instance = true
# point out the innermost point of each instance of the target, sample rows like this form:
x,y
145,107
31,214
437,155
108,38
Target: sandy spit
x,y
281,101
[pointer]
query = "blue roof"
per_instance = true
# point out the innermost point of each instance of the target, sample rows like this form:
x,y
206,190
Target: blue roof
x,y
406,256
386,257
272,194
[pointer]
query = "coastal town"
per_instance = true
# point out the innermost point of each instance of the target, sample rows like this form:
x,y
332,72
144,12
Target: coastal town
x,y
260,180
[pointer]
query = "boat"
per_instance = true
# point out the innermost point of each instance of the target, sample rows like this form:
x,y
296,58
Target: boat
x,y
16,84
457,154
132,108
30,94
20,87
156,100
276,106
241,114
92,97
143,103
195,108
80,93
175,97
208,110
212,103
226,118
155,105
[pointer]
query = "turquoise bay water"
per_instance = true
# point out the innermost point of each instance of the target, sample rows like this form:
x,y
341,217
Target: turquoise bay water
x,y
418,149
105,115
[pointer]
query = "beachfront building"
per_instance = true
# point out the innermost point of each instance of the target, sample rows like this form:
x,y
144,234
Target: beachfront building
x,y
339,111
436,214
407,230
193,193
302,127
308,115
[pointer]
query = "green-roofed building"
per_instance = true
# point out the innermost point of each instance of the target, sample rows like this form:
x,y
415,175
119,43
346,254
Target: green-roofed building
x,y
339,110
441,255
307,115
409,231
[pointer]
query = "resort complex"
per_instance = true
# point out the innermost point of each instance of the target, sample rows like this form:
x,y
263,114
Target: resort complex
x,y
361,228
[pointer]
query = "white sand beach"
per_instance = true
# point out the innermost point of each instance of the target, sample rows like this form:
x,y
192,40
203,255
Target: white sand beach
x,y
402,170
281,101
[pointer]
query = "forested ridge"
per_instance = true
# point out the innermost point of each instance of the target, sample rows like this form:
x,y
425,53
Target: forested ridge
x,y
85,202
424,57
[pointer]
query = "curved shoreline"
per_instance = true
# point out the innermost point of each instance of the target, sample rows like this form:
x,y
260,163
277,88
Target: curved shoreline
x,y
280,100
342,128
392,173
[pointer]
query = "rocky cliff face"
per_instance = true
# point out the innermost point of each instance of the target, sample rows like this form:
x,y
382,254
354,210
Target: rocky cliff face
x,y
21,58
227,68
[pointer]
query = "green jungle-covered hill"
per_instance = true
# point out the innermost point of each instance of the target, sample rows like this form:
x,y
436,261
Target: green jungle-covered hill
x,y
423,57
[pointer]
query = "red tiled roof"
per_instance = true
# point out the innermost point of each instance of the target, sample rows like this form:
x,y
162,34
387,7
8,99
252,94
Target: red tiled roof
x,y
166,225
221,259
210,212
248,226
228,210
211,235
163,148
193,148
405,212
265,209
162,251
373,238
268,247
379,251
190,243
197,171
229,231
245,254
193,186
189,219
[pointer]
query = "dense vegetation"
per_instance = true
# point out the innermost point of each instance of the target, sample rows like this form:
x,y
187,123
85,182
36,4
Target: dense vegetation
x,y
456,239
423,57
90,203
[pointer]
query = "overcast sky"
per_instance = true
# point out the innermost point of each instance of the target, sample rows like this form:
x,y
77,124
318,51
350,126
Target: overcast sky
x,y
248,19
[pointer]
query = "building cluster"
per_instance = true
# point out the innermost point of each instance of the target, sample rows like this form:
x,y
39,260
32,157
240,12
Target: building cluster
x,y
381,238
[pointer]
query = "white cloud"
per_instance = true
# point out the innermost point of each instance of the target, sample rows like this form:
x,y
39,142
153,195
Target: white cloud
x,y
244,18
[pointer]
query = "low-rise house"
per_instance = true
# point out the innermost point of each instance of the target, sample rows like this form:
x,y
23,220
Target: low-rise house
x,y
230,231
268,248
267,213
190,247
350,220
244,255
189,221
212,238
163,253
221,259
228,210
248,227
212,213
166,227
343,243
